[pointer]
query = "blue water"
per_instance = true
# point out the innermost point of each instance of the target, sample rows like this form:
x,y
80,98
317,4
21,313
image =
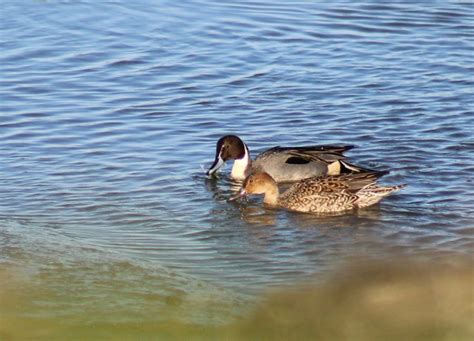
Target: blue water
x,y
109,112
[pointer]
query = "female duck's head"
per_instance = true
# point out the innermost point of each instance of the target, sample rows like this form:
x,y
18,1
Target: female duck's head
x,y
258,183
261,183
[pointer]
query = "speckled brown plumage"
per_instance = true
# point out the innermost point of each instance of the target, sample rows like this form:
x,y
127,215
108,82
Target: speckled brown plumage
x,y
322,194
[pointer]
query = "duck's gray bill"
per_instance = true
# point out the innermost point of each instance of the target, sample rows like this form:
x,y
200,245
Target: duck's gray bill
x,y
218,163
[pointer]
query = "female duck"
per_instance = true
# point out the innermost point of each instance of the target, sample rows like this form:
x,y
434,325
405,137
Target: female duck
x,y
321,194
284,164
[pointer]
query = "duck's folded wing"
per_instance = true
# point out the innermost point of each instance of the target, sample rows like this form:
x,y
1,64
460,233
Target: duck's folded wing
x,y
311,150
324,156
349,182
336,162
333,160
302,155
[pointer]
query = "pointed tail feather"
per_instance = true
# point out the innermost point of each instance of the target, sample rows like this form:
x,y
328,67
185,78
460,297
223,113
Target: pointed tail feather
x,y
348,168
372,194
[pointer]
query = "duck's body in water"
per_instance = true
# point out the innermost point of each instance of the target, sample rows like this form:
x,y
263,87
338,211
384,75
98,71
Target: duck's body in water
x,y
283,164
331,194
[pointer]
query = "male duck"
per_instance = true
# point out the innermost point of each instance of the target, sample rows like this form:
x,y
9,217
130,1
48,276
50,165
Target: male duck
x,y
283,164
330,194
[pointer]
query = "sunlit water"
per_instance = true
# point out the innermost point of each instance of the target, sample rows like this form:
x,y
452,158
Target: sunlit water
x,y
109,112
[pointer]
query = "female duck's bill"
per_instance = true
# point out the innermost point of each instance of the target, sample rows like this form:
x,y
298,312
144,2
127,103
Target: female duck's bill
x,y
284,164
242,193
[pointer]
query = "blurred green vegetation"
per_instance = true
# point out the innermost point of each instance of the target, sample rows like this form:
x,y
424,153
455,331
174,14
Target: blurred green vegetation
x,y
401,300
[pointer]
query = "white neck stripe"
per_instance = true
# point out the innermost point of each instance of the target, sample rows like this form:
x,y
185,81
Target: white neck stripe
x,y
241,167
